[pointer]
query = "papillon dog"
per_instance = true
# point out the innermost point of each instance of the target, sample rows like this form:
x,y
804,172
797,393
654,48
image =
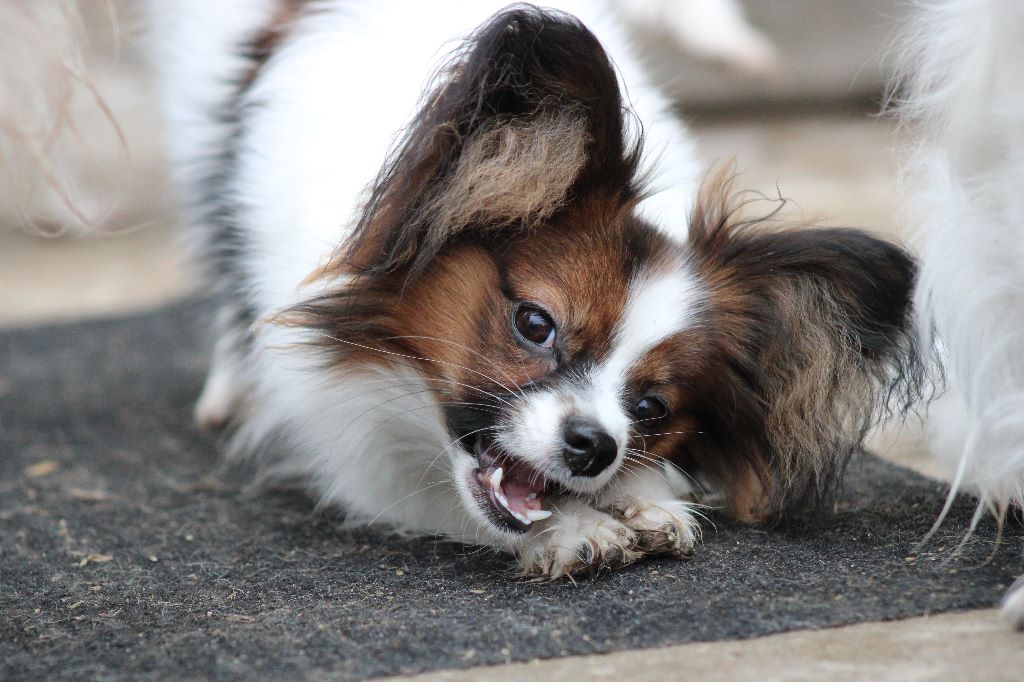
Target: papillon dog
x,y
473,287
960,93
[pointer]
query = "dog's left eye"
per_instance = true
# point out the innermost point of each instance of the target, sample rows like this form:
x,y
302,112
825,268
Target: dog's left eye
x,y
535,325
650,409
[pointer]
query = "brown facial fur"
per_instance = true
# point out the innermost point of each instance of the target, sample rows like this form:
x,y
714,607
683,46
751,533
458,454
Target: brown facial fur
x,y
457,315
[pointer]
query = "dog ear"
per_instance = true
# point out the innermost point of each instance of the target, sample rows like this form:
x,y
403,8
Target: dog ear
x,y
526,117
813,328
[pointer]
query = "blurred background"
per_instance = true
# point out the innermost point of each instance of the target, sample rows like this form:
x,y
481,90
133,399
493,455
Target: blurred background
x,y
86,219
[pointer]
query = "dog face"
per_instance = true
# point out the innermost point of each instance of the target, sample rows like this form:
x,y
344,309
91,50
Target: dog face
x,y
565,340
549,348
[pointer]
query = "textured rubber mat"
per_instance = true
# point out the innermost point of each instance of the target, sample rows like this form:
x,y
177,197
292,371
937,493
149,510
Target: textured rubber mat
x,y
123,554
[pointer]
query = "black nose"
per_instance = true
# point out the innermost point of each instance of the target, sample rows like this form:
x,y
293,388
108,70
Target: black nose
x,y
588,448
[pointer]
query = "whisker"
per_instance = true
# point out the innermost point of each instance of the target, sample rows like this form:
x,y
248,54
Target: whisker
x,y
474,352
447,447
357,395
648,461
552,529
632,472
640,421
437,377
643,466
404,498
379,425
693,481
443,521
413,357
673,433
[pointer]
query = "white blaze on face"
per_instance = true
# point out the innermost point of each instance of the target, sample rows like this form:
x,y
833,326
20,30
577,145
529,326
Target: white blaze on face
x,y
535,431
661,303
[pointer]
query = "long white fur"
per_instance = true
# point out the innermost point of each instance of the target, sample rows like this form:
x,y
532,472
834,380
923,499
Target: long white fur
x,y
963,106
319,122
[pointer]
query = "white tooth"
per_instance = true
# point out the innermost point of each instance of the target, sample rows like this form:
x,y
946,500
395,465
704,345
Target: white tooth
x,y
537,514
530,516
517,515
532,496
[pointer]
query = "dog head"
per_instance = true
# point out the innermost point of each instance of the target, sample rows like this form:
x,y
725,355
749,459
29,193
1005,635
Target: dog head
x,y
566,340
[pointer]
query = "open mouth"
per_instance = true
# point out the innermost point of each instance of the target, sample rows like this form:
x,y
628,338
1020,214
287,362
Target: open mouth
x,y
510,491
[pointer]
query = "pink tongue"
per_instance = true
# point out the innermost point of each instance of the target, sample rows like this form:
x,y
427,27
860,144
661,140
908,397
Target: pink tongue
x,y
519,484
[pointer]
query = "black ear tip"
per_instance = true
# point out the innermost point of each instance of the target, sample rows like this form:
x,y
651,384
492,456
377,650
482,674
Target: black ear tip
x,y
871,279
876,283
527,22
882,249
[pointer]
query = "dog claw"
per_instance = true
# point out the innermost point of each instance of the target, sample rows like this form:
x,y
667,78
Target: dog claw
x,y
581,542
662,528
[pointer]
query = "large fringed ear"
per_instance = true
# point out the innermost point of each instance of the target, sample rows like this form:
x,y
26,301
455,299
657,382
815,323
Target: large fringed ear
x,y
526,117
815,337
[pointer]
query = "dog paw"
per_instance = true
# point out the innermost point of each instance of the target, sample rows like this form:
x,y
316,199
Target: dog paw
x,y
1013,605
664,528
579,540
220,400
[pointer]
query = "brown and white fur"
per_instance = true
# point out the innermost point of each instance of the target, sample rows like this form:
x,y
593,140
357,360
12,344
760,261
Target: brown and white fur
x,y
472,289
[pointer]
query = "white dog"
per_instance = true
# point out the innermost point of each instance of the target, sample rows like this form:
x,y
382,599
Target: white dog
x,y
962,100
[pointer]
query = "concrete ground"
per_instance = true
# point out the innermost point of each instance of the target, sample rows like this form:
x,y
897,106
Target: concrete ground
x,y
954,646
837,169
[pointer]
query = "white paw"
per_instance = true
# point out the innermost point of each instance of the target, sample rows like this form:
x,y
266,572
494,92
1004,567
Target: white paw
x,y
666,527
578,539
219,400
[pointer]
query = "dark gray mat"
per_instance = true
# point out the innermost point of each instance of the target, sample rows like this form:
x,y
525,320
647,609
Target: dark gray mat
x,y
121,555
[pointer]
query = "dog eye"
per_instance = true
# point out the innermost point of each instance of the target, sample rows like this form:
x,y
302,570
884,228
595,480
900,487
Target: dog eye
x,y
535,325
650,409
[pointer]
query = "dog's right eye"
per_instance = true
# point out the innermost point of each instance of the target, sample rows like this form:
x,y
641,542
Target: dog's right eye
x,y
535,325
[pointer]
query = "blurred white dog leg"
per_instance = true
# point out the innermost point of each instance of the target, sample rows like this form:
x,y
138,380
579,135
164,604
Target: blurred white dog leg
x,y
713,30
962,101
